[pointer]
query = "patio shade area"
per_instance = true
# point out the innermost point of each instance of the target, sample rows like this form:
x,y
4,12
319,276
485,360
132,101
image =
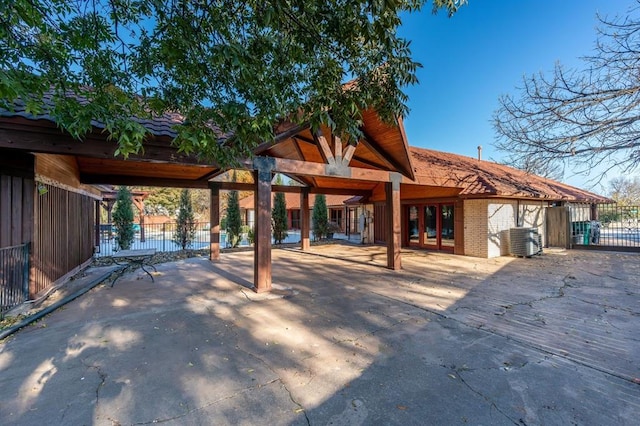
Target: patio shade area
x,y
323,162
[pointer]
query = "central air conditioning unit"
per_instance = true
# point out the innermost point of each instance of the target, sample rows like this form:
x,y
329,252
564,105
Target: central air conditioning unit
x,y
524,242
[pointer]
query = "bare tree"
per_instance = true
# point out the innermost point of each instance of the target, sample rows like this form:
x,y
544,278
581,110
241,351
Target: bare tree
x,y
625,191
536,166
586,117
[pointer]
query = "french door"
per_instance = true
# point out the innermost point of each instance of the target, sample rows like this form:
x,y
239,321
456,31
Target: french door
x,y
431,226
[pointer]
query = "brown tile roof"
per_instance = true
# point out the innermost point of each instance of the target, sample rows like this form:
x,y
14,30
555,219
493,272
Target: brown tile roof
x,y
162,125
293,200
478,178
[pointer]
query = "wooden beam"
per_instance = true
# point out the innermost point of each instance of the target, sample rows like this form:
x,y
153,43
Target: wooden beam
x,y
304,221
309,181
306,140
287,134
392,192
28,138
243,186
297,179
348,154
306,168
367,162
337,148
323,146
376,148
239,186
262,201
97,179
214,221
296,145
339,191
213,174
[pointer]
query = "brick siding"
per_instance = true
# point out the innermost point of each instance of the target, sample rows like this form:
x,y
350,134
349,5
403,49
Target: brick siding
x,y
487,223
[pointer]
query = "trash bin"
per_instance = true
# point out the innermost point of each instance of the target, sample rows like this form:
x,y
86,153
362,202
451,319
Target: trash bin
x,y
586,228
595,232
578,239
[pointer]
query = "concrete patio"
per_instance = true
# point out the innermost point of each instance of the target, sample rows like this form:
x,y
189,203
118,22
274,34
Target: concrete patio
x,y
340,341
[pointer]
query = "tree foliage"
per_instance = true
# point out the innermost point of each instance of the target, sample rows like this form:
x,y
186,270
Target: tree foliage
x,y
625,191
166,201
161,201
229,67
320,218
233,219
584,117
185,223
123,219
279,217
201,201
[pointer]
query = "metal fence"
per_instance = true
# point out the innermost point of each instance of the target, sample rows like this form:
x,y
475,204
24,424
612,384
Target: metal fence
x,y
14,277
606,225
159,236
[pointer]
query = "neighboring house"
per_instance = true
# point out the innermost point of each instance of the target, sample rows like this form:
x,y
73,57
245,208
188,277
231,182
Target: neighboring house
x,y
337,211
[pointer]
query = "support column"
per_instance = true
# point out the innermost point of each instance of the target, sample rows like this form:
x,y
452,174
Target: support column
x,y
97,222
262,248
392,190
304,219
109,208
214,222
139,203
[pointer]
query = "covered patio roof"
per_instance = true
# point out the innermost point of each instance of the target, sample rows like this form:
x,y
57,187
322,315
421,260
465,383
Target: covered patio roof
x,y
382,148
322,161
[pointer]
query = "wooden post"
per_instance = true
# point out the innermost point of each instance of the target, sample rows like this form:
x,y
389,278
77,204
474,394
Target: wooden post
x,y
108,205
304,219
214,225
97,220
139,203
142,237
262,247
392,190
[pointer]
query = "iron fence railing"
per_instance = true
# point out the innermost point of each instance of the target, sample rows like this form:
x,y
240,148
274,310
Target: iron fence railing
x,y
14,277
607,225
159,236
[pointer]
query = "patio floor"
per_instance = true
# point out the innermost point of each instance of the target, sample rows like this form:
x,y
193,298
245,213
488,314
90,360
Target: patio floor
x,y
447,340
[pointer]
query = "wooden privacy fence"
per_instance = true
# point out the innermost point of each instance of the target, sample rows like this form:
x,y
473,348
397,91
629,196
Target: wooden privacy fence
x,y
64,235
14,277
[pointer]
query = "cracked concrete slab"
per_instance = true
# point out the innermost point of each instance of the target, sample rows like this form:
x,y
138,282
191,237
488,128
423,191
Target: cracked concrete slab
x,y
341,341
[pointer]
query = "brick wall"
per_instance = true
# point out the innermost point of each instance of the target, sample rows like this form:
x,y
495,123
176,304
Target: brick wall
x,y
487,224
501,218
533,215
475,228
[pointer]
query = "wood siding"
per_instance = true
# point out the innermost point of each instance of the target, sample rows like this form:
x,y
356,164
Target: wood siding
x,y
380,223
63,236
558,230
17,187
458,217
61,168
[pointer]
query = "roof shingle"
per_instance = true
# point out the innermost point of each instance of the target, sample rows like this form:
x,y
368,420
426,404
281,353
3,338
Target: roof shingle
x,y
478,178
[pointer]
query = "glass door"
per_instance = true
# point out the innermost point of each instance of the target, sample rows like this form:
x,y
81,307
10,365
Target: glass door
x,y
447,228
430,233
414,226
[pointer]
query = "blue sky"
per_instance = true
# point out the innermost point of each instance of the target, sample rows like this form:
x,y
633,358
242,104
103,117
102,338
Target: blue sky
x,y
483,52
